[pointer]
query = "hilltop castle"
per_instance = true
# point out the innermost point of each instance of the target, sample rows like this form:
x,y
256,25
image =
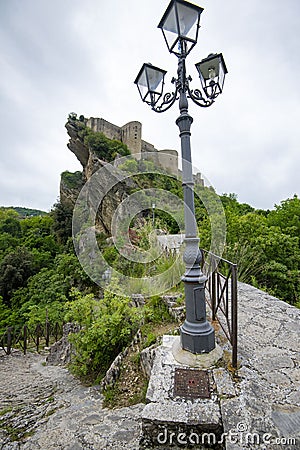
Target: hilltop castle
x,y
131,135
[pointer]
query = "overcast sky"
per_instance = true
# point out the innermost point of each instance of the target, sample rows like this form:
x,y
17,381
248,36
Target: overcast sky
x,y
72,55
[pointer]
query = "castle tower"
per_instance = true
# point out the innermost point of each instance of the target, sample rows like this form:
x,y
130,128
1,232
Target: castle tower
x,y
132,137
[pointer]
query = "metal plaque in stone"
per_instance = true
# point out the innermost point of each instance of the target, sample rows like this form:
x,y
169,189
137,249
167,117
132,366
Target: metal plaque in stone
x,y
191,383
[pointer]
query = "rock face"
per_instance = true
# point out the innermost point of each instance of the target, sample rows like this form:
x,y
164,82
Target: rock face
x,y
70,186
76,144
61,351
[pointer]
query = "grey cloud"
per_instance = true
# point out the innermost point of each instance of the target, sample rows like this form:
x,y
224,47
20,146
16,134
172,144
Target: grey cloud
x,y
68,55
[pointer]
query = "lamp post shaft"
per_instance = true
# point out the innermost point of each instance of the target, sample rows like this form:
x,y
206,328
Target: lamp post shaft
x,y
180,24
196,334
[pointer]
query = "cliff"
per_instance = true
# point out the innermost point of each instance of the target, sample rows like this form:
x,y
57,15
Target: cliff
x,y
88,155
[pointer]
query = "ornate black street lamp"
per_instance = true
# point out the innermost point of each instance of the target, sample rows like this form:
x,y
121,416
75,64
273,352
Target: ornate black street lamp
x,y
180,25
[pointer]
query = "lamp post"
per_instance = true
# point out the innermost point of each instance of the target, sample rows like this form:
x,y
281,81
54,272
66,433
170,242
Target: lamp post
x,y
180,25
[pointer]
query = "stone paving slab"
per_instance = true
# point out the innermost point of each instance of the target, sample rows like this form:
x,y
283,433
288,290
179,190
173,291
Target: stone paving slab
x,y
49,410
268,392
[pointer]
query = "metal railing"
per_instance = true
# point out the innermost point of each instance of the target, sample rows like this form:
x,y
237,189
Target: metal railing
x,y
25,337
221,288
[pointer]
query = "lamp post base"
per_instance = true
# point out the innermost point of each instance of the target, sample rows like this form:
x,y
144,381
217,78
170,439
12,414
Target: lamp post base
x,y
201,361
199,339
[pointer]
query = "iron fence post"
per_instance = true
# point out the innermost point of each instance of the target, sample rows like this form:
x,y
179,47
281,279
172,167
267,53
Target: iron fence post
x,y
234,314
25,339
213,293
38,337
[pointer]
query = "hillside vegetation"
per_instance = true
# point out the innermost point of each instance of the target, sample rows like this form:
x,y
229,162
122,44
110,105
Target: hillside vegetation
x,y
40,275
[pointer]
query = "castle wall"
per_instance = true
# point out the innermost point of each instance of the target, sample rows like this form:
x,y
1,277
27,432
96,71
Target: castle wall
x,y
150,153
147,147
198,179
110,130
169,160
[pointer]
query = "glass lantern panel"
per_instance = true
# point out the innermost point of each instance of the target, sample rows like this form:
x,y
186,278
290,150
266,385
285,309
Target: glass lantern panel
x,y
143,91
221,75
171,39
170,28
208,66
142,80
188,21
188,45
170,22
143,84
155,78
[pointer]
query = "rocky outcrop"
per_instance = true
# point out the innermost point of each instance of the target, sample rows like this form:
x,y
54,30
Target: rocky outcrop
x,y
76,144
70,187
91,163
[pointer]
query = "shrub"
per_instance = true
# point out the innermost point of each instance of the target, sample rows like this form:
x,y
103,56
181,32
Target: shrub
x,y
107,328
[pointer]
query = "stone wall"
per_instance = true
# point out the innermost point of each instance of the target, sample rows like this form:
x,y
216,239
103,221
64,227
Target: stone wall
x,y
169,159
101,125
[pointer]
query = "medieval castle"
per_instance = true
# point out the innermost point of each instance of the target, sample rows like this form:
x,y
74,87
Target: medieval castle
x,y
131,135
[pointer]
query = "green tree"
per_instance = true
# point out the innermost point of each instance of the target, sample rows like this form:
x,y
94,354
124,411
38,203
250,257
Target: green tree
x,y
286,216
15,270
7,244
62,222
11,226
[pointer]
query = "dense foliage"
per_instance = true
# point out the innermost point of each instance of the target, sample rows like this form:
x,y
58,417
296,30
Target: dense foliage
x,y
72,180
266,246
37,270
38,267
107,327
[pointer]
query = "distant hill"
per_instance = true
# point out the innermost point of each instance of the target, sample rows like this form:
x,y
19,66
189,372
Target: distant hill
x,y
26,212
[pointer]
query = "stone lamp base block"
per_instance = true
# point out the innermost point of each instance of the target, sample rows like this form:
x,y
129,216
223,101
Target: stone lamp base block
x,y
201,361
182,409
